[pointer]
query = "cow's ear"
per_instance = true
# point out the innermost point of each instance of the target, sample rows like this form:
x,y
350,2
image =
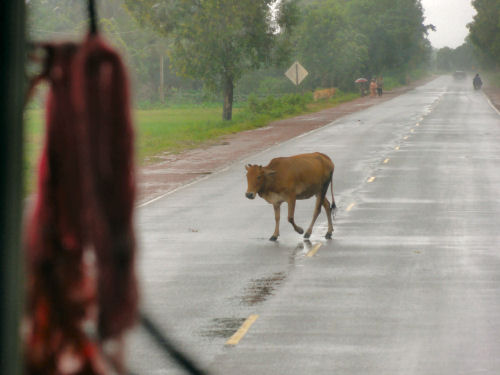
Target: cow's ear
x,y
247,167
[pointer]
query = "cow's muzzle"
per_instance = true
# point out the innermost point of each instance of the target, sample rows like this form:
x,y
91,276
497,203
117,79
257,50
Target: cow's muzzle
x,y
250,195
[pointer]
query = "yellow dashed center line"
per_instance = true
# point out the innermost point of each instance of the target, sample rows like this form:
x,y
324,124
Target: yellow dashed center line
x,y
386,161
418,124
412,130
396,148
405,137
350,207
371,179
314,250
238,335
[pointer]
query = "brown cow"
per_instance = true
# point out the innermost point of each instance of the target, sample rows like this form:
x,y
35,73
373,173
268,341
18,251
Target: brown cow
x,y
324,94
287,179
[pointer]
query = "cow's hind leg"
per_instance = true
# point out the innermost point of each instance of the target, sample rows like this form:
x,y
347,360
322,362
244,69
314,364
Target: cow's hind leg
x,y
320,199
329,212
276,233
291,212
317,210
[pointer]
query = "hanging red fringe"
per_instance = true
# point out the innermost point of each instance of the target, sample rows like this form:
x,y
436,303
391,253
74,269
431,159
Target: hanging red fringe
x,y
103,105
80,242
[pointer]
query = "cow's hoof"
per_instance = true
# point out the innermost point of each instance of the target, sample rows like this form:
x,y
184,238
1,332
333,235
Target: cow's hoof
x,y
273,238
307,235
299,230
328,236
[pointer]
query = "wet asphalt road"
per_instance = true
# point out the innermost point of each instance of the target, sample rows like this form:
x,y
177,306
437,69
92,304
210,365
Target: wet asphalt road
x,y
410,283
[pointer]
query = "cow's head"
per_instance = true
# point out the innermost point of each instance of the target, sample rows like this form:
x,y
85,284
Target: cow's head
x,y
256,179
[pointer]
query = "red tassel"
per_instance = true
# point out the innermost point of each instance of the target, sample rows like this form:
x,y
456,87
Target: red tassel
x,y
84,206
104,107
57,232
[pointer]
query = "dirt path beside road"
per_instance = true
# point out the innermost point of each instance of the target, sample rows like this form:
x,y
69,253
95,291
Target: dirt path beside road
x,y
180,169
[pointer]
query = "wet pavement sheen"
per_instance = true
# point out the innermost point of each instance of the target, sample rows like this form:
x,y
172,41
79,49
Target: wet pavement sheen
x,y
410,283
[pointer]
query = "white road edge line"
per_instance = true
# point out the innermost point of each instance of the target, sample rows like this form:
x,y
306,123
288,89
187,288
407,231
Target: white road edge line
x,y
182,187
491,104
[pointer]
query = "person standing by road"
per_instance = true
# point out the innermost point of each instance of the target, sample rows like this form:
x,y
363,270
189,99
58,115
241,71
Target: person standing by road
x,y
373,88
380,85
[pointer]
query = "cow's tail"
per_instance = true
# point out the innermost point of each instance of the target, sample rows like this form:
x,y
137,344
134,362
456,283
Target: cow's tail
x,y
334,206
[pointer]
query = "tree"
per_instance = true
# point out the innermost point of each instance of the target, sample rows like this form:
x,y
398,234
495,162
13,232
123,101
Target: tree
x,y
464,57
333,51
395,29
339,40
444,59
141,47
216,41
484,30
54,19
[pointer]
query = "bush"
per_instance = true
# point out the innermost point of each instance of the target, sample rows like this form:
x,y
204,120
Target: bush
x,y
391,83
276,107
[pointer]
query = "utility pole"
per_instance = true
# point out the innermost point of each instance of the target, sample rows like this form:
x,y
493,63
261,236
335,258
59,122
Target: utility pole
x,y
12,90
162,79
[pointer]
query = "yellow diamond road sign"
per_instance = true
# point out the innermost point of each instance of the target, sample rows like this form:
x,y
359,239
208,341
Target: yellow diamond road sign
x,y
296,73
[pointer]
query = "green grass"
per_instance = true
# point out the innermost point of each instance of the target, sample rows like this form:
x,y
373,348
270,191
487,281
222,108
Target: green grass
x,y
339,98
33,143
174,129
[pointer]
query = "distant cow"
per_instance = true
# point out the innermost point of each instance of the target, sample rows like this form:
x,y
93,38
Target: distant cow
x,y
287,179
324,94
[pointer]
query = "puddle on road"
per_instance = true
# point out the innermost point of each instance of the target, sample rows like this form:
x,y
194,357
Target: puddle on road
x,y
260,289
223,327
256,292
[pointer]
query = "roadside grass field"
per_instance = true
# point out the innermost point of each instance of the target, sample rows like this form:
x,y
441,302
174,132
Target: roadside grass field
x,y
172,130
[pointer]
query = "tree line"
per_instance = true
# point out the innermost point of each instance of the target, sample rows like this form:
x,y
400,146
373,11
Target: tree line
x,y
226,47
481,49
484,32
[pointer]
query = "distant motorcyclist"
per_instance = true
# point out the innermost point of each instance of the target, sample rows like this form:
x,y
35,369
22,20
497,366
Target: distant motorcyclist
x,y
477,82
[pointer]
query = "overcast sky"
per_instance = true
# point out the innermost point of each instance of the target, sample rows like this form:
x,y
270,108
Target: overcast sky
x,y
450,18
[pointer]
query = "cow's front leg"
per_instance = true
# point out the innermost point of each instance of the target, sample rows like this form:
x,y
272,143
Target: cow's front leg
x,y
276,233
317,210
291,212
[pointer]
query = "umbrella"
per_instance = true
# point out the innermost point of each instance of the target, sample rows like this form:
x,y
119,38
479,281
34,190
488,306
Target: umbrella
x,y
361,80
